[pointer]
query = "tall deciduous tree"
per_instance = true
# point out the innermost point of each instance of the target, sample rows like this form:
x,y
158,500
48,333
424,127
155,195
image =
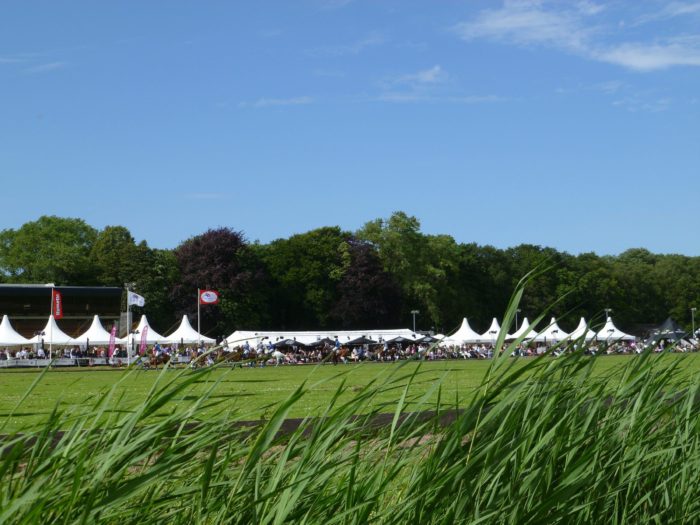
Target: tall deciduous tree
x,y
50,249
368,296
306,270
220,259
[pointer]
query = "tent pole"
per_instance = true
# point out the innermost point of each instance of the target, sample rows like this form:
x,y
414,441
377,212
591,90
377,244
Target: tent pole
x,y
128,328
199,330
51,328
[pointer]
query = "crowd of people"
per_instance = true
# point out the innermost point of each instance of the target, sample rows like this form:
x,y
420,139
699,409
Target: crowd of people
x,y
271,354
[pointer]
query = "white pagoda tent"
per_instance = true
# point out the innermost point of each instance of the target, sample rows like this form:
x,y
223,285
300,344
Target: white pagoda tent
x,y
152,337
551,334
8,335
523,331
185,334
610,333
464,334
53,335
96,334
490,335
582,331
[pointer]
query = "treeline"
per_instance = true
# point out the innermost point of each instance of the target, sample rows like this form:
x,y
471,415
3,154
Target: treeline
x,y
331,278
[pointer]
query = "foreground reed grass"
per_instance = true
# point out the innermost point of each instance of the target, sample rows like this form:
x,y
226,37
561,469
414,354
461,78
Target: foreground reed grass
x,y
548,442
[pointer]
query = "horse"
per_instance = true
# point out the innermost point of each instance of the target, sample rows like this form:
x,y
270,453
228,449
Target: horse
x,y
162,359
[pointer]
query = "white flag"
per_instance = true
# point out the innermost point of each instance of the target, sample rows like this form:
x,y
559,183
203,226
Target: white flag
x,y
136,299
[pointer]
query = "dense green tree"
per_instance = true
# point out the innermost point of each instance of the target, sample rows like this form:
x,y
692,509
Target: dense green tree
x,y
305,270
218,259
50,249
368,296
114,254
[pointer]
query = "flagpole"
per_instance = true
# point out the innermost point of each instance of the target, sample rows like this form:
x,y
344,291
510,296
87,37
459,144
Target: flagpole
x,y
199,332
128,328
51,327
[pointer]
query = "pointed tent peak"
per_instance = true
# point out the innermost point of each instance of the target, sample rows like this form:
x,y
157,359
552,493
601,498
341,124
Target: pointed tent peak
x,y
185,321
152,336
492,332
8,335
582,331
610,332
523,330
186,334
465,324
53,334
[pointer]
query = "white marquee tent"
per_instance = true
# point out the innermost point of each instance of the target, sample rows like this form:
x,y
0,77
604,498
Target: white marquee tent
x,y
524,330
610,333
53,335
582,331
96,334
8,335
551,334
490,335
186,334
152,336
463,335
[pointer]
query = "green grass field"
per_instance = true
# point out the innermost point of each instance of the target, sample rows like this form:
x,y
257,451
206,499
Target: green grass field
x,y
248,393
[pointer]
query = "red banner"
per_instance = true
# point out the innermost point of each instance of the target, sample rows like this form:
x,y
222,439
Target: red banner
x,y
112,340
56,304
208,297
144,339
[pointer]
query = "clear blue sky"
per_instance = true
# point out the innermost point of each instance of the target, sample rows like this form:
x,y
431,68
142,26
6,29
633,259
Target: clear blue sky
x,y
568,124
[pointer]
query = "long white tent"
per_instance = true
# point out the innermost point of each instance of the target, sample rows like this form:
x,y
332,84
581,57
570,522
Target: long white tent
x,y
96,334
524,330
53,335
8,335
241,337
582,331
551,334
610,333
464,335
185,334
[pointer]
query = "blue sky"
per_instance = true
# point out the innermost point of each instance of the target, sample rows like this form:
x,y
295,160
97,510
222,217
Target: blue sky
x,y
566,124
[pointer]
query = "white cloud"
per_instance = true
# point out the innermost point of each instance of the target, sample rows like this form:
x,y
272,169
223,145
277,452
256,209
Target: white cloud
x,y
576,28
270,102
11,60
353,48
527,23
650,57
411,97
43,68
431,75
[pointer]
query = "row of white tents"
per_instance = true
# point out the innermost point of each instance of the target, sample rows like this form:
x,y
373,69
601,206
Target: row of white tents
x,y
551,334
97,335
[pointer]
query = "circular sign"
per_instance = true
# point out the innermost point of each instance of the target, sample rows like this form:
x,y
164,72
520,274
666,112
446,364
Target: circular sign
x,y
209,297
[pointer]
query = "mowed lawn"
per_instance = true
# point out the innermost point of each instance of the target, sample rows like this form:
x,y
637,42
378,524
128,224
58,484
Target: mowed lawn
x,y
251,393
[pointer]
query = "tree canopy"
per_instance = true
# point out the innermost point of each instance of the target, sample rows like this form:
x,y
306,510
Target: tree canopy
x,y
331,278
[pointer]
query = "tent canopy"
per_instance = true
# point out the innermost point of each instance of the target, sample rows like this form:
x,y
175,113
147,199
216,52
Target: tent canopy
x,y
490,335
8,335
152,336
610,332
552,333
523,331
186,334
582,331
53,335
464,334
669,330
96,334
